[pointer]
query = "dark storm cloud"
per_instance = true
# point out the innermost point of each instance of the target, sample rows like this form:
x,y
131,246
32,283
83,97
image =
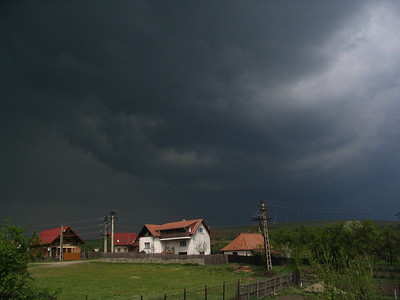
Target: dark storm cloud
x,y
197,102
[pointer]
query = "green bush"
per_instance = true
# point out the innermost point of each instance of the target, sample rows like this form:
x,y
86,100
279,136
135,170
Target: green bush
x,y
15,280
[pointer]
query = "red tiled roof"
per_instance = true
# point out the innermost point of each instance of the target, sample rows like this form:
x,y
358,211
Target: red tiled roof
x,y
124,238
155,229
50,235
245,241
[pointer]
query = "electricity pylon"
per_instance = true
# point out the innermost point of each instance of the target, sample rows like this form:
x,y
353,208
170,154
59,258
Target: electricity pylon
x,y
262,220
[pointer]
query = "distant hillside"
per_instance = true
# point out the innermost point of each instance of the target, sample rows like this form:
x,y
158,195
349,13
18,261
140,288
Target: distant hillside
x,y
89,245
224,235
227,231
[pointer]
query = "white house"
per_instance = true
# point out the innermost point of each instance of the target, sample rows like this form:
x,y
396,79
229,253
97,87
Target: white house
x,y
183,237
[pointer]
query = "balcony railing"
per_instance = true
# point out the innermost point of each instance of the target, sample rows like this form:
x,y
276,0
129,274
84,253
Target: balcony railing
x,y
174,235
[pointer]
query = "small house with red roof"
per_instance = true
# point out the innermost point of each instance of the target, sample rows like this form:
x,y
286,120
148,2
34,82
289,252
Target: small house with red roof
x,y
125,242
185,237
245,244
65,238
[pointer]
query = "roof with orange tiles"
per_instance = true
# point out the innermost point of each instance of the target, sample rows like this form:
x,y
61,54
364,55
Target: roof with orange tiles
x,y
192,224
124,238
50,235
245,241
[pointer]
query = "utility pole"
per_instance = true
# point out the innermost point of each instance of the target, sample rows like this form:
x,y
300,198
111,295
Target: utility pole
x,y
262,220
112,213
105,233
61,243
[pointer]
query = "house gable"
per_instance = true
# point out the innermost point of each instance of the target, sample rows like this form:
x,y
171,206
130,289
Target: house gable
x,y
52,236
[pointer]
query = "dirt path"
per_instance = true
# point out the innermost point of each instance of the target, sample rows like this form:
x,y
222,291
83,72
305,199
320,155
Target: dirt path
x,y
60,264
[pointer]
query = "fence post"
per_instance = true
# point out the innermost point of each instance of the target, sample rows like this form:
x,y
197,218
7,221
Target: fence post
x,y
258,288
223,291
205,292
165,296
238,290
184,294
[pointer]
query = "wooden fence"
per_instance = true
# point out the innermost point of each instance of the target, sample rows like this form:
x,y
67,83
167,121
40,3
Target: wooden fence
x,y
264,288
71,256
90,255
225,291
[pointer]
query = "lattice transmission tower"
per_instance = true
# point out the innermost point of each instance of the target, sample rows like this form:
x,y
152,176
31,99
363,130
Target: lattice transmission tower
x,y
262,219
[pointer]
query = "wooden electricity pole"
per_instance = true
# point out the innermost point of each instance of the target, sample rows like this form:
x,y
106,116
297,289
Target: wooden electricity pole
x,y
105,233
112,213
61,243
262,220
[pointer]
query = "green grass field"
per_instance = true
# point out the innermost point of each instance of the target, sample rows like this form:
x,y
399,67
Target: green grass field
x,y
98,280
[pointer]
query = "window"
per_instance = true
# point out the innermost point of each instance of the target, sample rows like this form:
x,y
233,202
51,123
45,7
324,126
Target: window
x,y
147,245
182,243
200,230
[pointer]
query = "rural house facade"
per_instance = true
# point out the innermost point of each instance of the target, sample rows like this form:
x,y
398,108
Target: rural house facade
x,y
245,244
125,242
185,237
55,239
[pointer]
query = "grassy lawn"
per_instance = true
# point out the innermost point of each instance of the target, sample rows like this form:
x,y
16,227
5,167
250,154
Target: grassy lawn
x,y
129,281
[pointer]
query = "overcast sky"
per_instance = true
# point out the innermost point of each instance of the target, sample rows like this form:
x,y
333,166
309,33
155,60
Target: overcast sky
x,y
164,110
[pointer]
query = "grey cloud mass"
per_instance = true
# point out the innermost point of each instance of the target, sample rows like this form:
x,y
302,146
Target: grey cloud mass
x,y
198,109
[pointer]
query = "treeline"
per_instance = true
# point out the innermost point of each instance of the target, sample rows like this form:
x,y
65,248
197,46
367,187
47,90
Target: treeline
x,y
341,256
341,241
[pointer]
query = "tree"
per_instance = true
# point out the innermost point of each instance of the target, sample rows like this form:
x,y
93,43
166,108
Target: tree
x,y
15,280
389,241
339,255
354,280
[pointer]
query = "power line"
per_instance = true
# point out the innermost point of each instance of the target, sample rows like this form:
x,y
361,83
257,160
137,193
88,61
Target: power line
x,y
68,222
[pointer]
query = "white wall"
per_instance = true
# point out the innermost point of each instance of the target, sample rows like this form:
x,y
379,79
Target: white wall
x,y
176,245
200,242
240,253
120,248
155,244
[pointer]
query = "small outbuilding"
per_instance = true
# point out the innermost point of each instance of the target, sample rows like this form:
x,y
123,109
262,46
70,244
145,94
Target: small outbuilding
x,y
245,244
